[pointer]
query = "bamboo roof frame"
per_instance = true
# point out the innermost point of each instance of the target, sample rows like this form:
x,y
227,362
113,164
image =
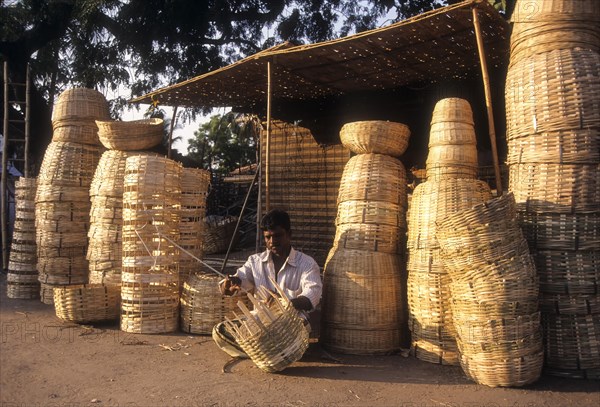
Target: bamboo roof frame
x,y
431,47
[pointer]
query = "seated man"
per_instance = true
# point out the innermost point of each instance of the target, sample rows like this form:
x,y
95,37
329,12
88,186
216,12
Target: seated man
x,y
296,273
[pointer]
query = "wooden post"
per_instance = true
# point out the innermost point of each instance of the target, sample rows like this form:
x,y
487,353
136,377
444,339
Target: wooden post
x,y
27,120
488,100
3,184
172,125
268,141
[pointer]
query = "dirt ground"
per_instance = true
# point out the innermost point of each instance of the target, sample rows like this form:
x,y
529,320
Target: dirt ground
x,y
46,362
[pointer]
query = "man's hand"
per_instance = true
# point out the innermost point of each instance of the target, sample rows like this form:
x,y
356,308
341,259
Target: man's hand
x,y
301,303
230,285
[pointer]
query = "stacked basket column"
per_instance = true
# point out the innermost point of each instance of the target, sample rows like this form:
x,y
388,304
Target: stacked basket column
x,y
194,189
62,199
364,300
553,130
494,294
22,278
151,214
450,187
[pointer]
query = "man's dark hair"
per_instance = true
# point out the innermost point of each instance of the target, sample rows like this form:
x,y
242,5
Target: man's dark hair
x,y
274,218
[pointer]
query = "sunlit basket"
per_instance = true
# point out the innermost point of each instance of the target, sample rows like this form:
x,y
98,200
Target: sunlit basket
x,y
557,188
76,131
515,289
574,272
218,233
80,103
452,110
54,193
433,200
444,352
462,155
553,91
457,133
371,212
454,171
371,237
576,146
149,308
87,303
572,342
552,10
363,309
503,371
561,231
109,175
69,164
275,336
203,306
373,177
374,136
132,135
55,270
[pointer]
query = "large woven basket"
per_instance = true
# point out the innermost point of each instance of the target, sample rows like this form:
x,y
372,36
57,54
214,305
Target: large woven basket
x,y
273,337
574,272
76,131
452,110
373,177
552,10
363,308
505,371
572,342
80,103
203,306
370,237
132,135
109,175
371,212
461,155
374,136
86,303
561,231
444,133
69,164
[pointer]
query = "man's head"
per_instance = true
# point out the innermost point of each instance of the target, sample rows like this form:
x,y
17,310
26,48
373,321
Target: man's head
x,y
277,232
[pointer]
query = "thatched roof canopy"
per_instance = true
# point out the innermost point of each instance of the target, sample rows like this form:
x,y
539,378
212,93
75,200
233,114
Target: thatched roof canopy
x,y
436,46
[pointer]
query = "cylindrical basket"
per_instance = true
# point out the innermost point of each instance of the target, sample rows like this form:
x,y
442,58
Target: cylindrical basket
x,y
87,303
374,136
80,103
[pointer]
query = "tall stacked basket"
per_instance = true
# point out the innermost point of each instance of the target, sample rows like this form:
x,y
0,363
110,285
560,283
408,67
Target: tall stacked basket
x,y
62,198
364,299
450,188
553,130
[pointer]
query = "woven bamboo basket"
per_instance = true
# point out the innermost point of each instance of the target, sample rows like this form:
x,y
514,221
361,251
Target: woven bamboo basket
x,y
87,303
150,281
371,212
455,133
552,10
80,103
108,179
483,309
105,272
106,211
561,231
524,289
373,177
69,164
370,237
444,172
363,309
75,131
461,155
21,279
568,272
54,270
553,91
47,293
572,342
274,336
218,232
452,110
557,188
433,200
132,135
432,352
570,304
505,371
496,210
427,260
57,193
375,136
576,146
495,330
203,306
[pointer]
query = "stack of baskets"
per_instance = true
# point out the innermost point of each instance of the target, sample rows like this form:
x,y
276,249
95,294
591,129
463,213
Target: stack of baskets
x,y
450,188
22,278
123,140
553,130
62,201
194,189
364,291
494,294
150,280
203,306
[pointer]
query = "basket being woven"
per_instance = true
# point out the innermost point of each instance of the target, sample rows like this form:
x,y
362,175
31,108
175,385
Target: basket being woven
x,y
374,136
86,303
132,135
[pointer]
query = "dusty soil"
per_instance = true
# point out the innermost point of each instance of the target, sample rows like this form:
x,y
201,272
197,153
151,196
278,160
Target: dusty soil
x,y
46,362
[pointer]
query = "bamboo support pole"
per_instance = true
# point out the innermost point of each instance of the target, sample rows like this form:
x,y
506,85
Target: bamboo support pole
x,y
268,141
172,126
3,184
27,119
488,99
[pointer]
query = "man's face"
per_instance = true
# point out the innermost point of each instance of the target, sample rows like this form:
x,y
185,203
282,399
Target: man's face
x,y
277,240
